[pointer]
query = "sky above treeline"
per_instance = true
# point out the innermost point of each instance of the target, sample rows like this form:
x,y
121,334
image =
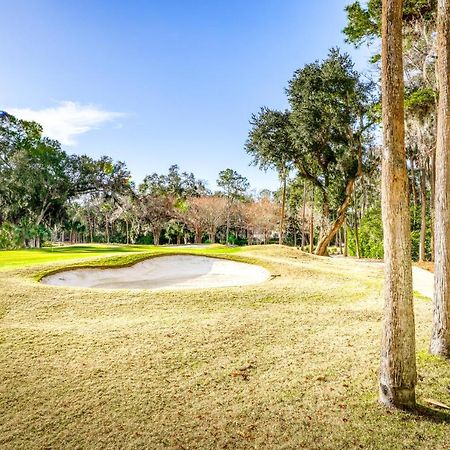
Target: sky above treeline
x,y
156,82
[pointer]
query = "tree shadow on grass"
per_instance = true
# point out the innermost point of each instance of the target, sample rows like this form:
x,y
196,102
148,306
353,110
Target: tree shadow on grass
x,y
431,414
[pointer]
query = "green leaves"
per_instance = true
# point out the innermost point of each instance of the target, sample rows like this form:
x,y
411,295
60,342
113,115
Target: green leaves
x,y
40,179
233,184
270,141
329,122
364,22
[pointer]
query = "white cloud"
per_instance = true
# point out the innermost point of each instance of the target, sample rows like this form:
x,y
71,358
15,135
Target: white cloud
x,y
67,120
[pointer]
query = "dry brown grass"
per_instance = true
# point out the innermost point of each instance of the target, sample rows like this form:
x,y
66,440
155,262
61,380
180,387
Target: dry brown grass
x,y
290,363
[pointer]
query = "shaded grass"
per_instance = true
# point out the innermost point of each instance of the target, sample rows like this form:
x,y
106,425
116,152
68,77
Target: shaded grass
x,y
290,363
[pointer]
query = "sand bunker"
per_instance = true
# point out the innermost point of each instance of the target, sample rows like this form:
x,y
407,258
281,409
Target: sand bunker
x,y
164,272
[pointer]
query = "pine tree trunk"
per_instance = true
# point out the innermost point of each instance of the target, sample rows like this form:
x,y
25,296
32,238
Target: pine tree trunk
x,y
440,341
398,363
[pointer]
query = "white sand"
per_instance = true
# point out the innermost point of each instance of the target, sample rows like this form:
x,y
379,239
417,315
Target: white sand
x,y
164,272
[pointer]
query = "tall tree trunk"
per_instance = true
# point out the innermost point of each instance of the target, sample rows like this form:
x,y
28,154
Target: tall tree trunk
x,y
423,216
398,362
127,231
440,340
283,208
432,202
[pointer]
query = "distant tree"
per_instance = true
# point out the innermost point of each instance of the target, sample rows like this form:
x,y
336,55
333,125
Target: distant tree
x,y
175,184
270,143
209,213
156,211
39,179
234,186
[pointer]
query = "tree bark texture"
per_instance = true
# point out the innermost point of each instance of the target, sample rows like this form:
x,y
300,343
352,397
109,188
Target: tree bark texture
x,y
440,340
398,363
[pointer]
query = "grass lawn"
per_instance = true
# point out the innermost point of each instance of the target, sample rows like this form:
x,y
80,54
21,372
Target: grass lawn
x,y
21,258
289,363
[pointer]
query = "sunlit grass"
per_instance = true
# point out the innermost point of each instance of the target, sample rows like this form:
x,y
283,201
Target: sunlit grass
x,y
27,257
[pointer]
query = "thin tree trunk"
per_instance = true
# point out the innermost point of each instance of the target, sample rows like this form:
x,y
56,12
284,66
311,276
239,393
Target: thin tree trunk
x,y
398,362
311,225
91,229
413,187
228,227
440,340
432,202
356,223
303,215
339,241
283,208
423,216
107,231
345,238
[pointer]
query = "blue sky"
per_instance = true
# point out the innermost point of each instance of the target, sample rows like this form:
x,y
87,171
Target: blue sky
x,y
155,83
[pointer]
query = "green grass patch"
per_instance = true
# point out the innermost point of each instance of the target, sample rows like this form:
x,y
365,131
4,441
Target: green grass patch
x,y
11,259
